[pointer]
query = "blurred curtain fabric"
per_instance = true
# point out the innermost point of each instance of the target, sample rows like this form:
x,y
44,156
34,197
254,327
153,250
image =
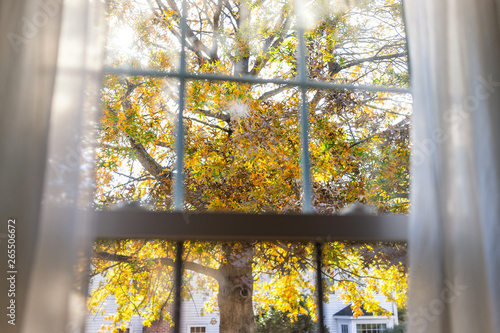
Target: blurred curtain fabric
x,y
50,62
455,216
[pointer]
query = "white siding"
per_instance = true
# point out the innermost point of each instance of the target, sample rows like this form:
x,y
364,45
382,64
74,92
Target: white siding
x,y
94,322
191,314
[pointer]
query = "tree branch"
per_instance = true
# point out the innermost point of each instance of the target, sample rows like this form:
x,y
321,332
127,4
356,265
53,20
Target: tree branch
x,y
374,58
378,134
192,266
146,160
363,140
196,44
215,36
273,92
221,116
281,29
210,125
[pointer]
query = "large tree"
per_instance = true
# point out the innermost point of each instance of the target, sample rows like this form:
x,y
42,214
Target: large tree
x,y
243,147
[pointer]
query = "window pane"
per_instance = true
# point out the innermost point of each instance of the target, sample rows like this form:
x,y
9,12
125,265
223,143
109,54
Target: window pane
x,y
131,281
242,38
370,328
264,285
358,42
370,279
139,37
136,149
359,150
241,152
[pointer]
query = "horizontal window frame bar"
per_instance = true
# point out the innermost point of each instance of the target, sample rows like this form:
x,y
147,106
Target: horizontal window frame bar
x,y
249,79
177,226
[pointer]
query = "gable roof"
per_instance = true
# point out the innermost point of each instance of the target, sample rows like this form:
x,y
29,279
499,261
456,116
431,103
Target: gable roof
x,y
347,311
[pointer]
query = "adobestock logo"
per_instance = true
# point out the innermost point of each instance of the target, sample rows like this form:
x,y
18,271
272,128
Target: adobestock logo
x,y
419,319
455,117
31,26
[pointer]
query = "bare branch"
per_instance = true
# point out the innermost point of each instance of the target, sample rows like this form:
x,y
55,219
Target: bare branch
x,y
147,161
374,58
378,133
197,44
271,93
215,36
281,30
211,125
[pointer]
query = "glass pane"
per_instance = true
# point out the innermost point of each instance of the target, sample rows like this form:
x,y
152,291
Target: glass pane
x,y
356,42
241,37
136,153
139,36
131,283
241,150
259,287
359,147
367,281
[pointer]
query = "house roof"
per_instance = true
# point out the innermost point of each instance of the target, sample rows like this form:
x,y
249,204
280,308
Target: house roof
x,y
347,311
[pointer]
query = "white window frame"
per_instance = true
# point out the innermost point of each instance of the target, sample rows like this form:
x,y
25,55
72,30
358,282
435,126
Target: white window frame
x,y
377,330
190,326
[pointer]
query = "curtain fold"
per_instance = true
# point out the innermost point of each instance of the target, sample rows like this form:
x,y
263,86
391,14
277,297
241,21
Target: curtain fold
x,y
455,217
27,60
51,61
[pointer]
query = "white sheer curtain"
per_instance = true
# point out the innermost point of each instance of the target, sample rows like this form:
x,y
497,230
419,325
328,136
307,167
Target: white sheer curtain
x,y
455,220
50,58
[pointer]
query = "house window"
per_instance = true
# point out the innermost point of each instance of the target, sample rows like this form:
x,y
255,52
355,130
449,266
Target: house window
x,y
197,329
227,107
344,328
370,328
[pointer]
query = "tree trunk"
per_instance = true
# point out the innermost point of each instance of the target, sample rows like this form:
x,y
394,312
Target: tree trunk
x,y
236,286
242,51
236,289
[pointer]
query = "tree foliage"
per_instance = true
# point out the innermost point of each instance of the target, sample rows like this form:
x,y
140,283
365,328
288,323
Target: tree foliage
x,y
274,321
243,149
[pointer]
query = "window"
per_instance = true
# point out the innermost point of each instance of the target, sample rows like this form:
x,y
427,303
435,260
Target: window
x,y
345,328
248,115
370,328
197,329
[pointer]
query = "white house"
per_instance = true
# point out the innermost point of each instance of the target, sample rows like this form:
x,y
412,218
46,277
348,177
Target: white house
x,y
338,317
